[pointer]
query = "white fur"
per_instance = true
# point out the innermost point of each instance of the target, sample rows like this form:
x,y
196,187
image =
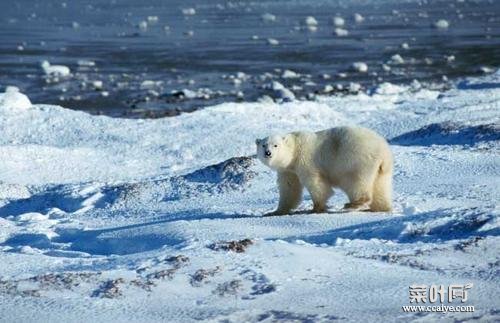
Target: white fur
x,y
354,159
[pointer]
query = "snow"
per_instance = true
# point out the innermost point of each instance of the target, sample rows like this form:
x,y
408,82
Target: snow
x,y
14,100
105,219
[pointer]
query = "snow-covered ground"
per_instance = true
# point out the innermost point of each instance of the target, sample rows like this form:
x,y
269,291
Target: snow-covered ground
x,y
123,220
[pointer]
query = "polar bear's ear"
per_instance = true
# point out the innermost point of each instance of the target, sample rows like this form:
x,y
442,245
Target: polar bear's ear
x,y
288,139
257,141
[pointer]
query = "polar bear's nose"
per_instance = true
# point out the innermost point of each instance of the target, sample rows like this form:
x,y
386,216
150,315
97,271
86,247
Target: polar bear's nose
x,y
267,153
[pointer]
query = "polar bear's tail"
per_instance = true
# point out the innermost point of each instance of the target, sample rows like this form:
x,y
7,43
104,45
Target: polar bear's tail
x,y
382,189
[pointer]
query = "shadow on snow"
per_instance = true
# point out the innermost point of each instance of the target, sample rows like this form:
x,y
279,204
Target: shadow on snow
x,y
435,226
123,240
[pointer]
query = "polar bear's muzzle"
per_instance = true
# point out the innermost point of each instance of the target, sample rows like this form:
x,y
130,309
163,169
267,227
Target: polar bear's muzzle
x,y
267,154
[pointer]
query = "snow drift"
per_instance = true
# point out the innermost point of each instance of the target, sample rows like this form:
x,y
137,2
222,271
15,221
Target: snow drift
x,y
124,214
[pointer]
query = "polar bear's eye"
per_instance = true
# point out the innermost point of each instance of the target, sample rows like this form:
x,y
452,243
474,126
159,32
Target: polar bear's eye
x,y
275,146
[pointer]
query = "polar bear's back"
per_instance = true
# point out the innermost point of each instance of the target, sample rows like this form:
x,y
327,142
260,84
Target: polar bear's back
x,y
347,149
354,138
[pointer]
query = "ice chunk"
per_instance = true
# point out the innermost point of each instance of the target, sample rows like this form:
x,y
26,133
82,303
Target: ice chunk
x,y
273,41
149,84
360,67
397,59
189,12
354,87
85,63
188,94
310,21
268,17
288,74
97,85
486,69
153,19
341,32
358,18
442,24
338,21
275,86
281,92
387,88
328,88
143,25
32,217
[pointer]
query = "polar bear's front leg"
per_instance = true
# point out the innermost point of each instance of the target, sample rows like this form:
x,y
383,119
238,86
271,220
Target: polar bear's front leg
x,y
290,193
320,190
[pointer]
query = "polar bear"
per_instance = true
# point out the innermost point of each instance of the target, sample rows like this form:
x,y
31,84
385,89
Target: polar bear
x,y
354,159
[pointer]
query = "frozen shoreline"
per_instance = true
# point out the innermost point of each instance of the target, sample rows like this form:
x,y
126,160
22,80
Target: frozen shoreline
x,y
143,59
92,210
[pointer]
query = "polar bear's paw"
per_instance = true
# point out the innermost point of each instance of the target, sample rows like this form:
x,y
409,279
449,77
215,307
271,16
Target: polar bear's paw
x,y
276,213
356,206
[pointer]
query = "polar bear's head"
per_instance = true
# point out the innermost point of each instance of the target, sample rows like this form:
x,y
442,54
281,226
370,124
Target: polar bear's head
x,y
276,151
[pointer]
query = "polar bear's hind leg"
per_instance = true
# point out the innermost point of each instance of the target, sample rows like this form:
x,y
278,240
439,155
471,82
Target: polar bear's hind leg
x,y
382,193
359,189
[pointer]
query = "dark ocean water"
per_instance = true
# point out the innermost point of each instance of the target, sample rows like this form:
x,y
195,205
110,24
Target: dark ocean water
x,y
222,52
